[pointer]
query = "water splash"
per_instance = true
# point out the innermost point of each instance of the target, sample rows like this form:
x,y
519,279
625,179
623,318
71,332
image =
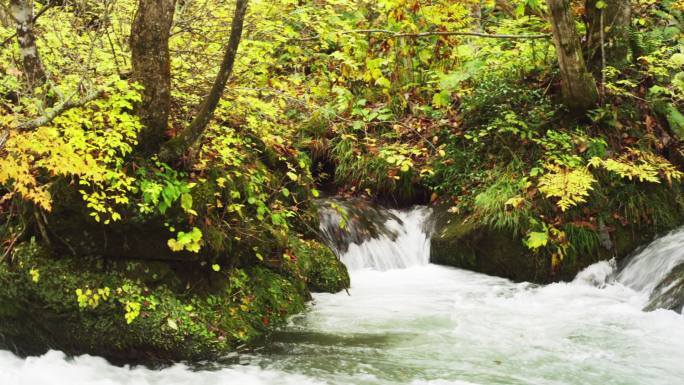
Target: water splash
x,y
599,274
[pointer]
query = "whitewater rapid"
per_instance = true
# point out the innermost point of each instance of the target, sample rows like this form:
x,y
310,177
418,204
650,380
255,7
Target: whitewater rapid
x,y
406,321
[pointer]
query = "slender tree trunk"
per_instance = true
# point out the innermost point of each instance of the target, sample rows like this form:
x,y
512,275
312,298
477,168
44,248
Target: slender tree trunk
x,y
615,18
32,66
152,69
175,147
579,87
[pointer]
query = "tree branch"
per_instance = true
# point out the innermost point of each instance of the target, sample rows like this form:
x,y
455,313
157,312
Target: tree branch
x,y
60,109
393,34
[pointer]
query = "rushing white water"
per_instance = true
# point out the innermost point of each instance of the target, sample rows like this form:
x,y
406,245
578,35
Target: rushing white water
x,y
422,324
409,246
648,268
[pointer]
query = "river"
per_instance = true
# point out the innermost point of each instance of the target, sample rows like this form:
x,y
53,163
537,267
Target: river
x,y
406,321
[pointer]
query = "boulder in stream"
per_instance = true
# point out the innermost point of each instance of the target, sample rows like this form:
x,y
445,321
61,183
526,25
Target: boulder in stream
x,y
462,241
669,294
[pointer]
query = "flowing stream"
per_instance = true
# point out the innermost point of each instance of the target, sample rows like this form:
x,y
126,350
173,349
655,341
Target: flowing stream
x,y
409,322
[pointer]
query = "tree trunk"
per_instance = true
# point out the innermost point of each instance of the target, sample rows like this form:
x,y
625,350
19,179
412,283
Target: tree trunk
x,y
151,61
615,18
174,148
579,86
22,13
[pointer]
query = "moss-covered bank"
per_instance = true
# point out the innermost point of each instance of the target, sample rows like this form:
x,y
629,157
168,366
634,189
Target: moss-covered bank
x,y
616,230
152,312
316,265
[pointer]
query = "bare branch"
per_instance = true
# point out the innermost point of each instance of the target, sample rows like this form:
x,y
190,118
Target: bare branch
x,y
60,109
393,34
3,137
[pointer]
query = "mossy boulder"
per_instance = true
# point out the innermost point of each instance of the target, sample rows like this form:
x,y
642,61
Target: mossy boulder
x,y
316,265
464,242
138,311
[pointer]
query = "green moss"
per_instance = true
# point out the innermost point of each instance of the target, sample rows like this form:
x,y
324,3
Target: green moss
x,y
464,242
318,266
174,322
633,215
491,204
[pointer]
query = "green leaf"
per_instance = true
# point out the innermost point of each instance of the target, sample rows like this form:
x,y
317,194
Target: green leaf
x,y
678,59
676,120
172,324
384,82
441,99
216,267
425,55
174,245
536,240
453,80
186,202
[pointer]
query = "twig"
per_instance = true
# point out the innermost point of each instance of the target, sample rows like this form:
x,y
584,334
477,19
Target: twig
x,y
10,246
280,93
60,109
553,78
41,227
412,129
3,137
603,57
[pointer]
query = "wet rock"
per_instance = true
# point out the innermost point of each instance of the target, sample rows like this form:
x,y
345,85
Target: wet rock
x,y
669,294
460,241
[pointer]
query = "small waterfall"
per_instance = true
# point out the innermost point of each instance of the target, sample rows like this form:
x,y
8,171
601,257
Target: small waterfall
x,y
658,272
376,239
652,265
